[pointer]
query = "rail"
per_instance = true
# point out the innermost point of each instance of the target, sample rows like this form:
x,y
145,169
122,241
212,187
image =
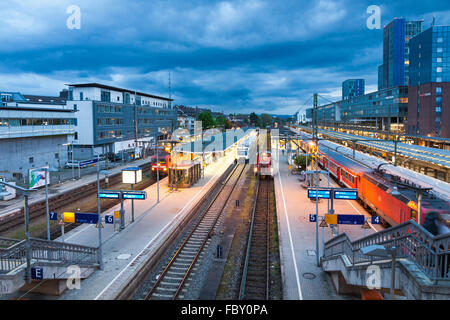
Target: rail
x,y
431,254
14,256
161,276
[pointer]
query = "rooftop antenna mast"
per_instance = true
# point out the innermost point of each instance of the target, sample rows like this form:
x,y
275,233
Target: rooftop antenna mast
x,y
170,93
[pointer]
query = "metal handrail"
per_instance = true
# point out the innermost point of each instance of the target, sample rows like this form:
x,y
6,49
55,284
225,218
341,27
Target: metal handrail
x,y
44,250
412,241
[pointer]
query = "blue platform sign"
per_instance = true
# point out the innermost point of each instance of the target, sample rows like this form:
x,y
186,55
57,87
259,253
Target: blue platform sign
x,y
375,220
321,193
37,273
53,215
81,217
88,162
312,218
346,194
350,219
109,219
135,196
109,195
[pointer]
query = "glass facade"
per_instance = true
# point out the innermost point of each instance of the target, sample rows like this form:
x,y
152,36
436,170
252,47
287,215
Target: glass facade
x,y
430,56
115,122
352,88
396,52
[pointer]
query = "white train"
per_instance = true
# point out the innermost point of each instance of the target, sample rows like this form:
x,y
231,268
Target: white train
x,y
246,150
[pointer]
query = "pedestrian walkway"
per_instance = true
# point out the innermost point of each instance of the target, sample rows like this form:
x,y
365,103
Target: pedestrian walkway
x,y
124,252
302,278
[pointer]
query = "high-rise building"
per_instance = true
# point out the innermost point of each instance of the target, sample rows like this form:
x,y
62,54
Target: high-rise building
x,y
352,88
380,77
396,36
430,60
429,89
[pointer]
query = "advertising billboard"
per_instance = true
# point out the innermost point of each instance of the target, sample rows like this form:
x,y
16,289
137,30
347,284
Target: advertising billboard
x,y
36,178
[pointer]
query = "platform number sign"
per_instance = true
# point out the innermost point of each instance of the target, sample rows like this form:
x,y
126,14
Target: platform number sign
x,y
109,219
375,220
312,218
37,273
53,215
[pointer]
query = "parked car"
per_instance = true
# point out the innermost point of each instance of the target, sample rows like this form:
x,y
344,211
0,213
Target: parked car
x,y
73,164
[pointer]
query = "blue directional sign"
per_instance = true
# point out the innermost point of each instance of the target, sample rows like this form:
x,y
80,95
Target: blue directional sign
x,y
88,162
109,195
53,215
81,217
135,196
321,193
346,194
375,220
312,218
350,219
37,273
122,194
109,219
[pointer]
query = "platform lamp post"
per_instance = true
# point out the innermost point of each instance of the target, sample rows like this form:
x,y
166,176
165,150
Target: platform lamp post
x,y
46,172
25,193
99,213
132,175
377,250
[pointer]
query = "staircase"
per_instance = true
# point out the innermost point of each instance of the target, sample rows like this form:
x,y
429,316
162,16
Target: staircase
x,y
422,262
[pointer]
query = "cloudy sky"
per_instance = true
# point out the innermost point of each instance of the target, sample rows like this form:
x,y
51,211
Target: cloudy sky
x,y
235,56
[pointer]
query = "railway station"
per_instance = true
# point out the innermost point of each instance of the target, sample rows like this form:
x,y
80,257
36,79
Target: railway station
x,y
428,161
204,213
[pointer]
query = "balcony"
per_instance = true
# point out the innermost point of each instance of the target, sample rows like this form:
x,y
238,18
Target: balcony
x,y
10,132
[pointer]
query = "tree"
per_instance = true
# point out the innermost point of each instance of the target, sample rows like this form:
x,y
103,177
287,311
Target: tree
x,y
254,119
300,162
228,124
220,121
266,120
207,120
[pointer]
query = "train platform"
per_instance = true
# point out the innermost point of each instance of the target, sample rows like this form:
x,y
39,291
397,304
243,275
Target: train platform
x,y
125,251
15,205
302,278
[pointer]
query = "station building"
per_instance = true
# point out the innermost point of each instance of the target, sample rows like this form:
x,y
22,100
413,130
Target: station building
x,y
111,119
34,132
382,111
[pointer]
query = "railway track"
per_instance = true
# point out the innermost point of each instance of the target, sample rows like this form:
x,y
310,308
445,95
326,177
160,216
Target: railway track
x,y
255,281
173,280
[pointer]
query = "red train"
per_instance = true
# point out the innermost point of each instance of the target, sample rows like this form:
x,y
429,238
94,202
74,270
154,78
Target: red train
x,y
264,164
165,162
374,189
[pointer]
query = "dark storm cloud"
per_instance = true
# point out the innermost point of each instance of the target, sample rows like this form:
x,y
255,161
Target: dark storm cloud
x,y
230,55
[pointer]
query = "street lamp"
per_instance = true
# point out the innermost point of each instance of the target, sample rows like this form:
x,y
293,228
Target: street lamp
x,y
46,172
106,173
25,193
377,250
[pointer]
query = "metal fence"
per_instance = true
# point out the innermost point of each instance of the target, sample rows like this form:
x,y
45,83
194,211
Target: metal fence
x,y
14,255
430,253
